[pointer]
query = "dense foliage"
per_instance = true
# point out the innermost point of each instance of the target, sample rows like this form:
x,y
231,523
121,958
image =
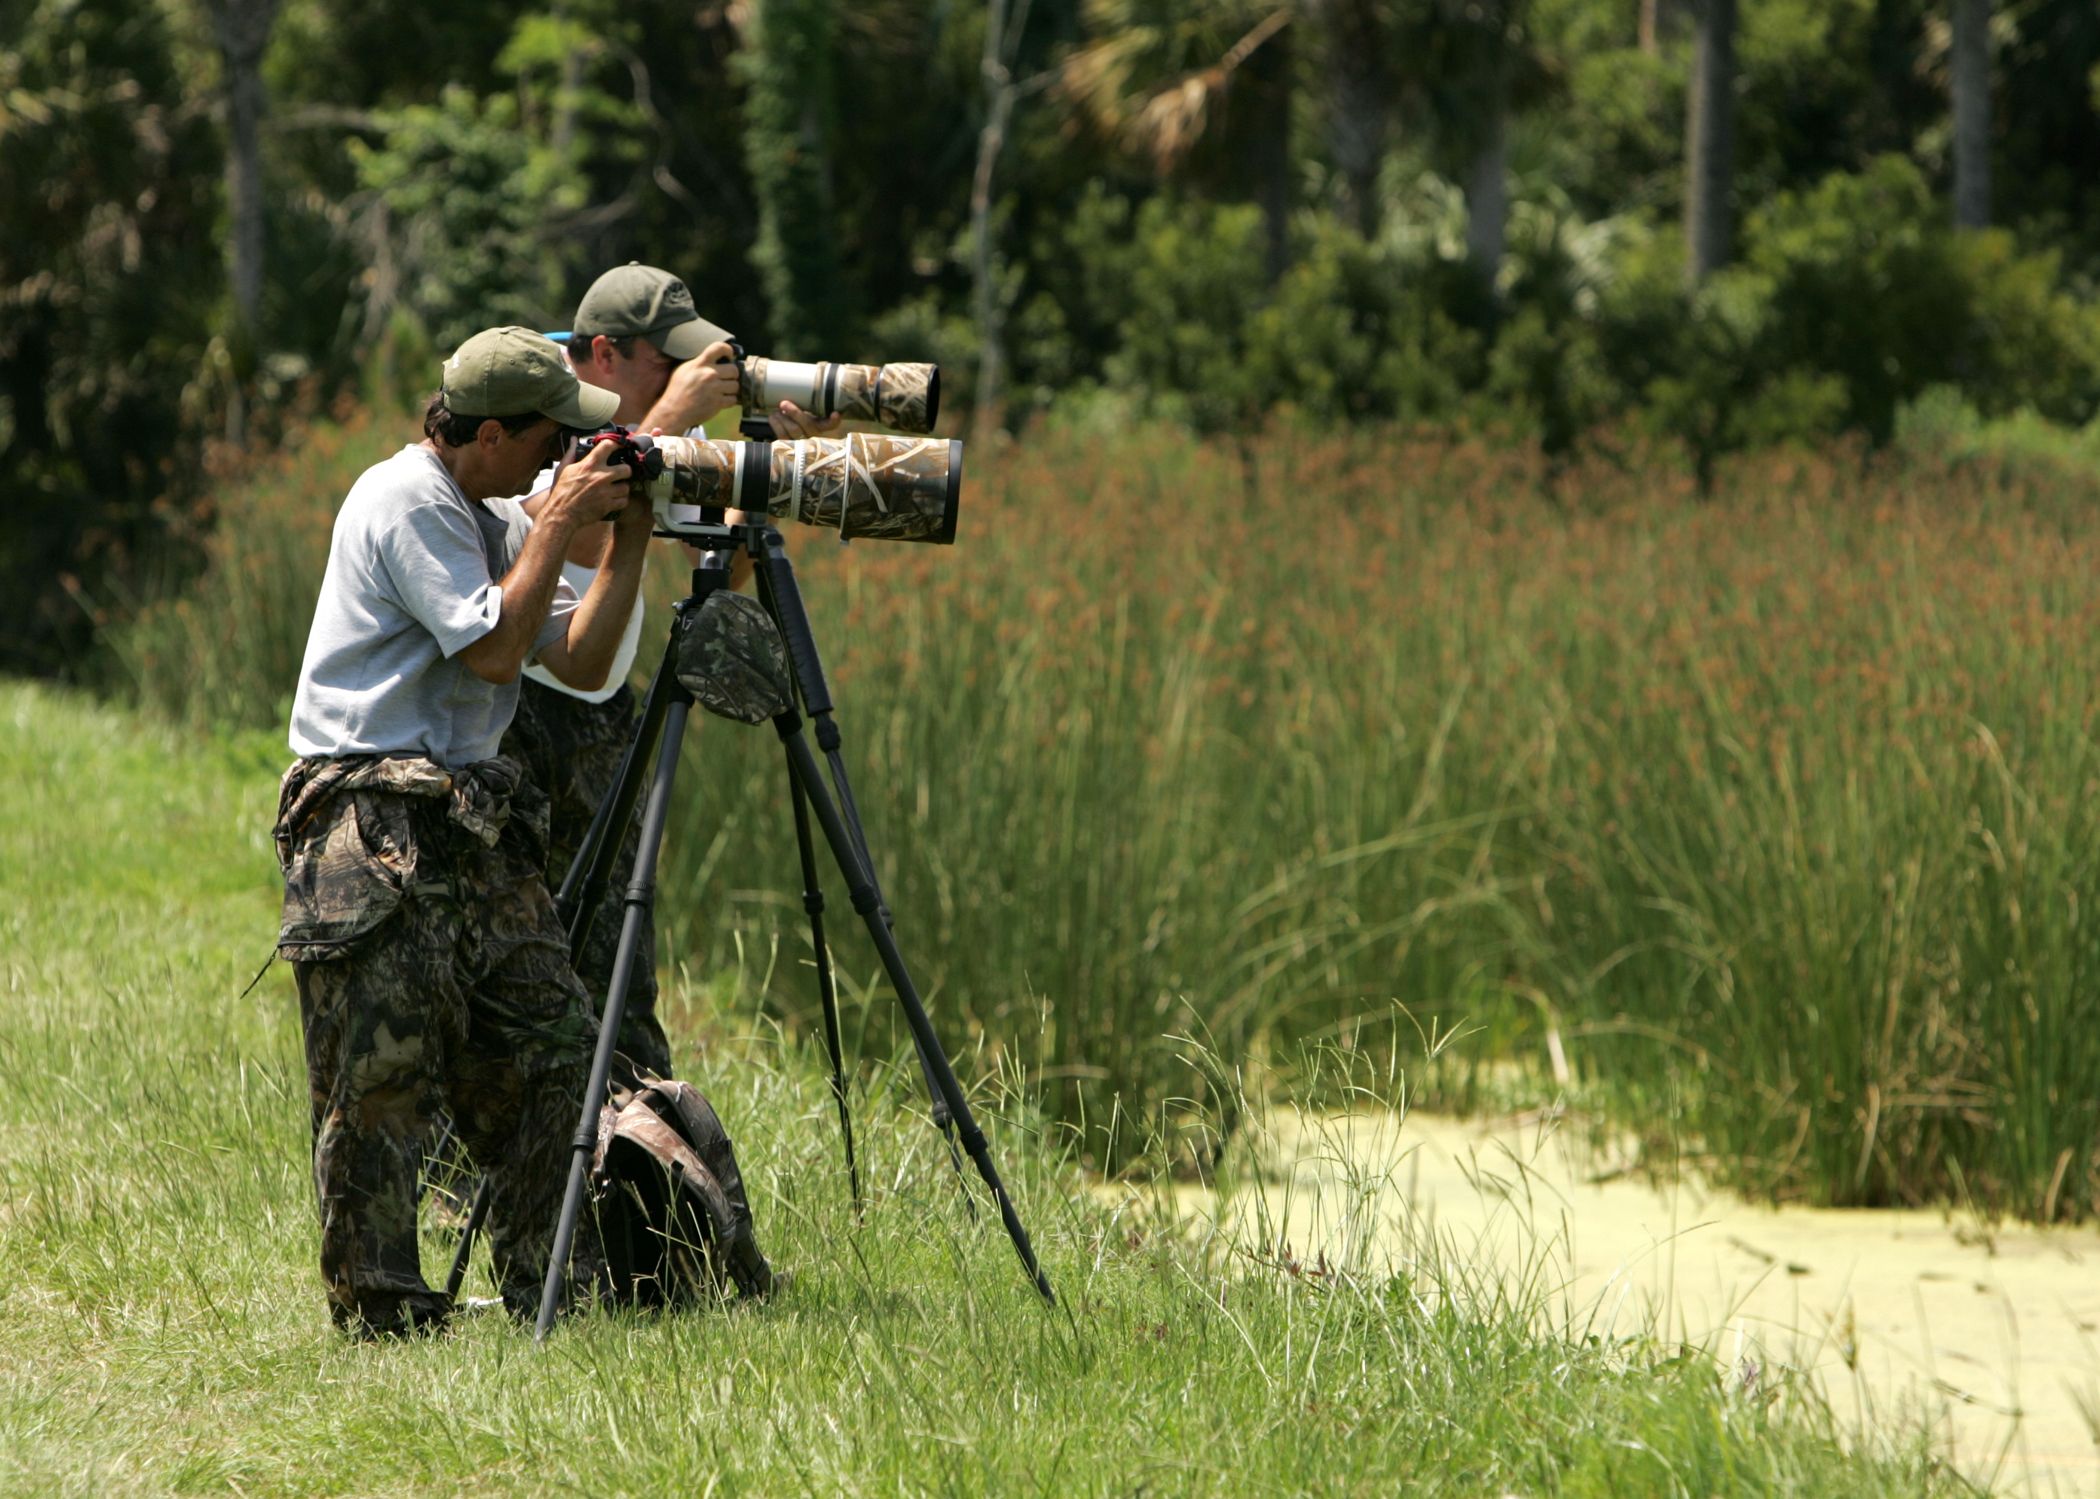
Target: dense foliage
x,y
1203,209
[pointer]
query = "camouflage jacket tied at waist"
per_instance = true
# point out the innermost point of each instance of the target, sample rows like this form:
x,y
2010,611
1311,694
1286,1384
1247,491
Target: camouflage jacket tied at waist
x,y
348,844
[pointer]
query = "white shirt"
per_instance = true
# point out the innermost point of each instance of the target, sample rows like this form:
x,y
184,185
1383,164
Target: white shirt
x,y
579,577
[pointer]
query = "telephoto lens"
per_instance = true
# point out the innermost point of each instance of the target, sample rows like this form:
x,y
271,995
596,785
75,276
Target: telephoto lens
x,y
902,397
862,485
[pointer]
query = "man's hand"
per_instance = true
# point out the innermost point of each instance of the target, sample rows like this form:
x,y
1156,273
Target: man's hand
x,y
699,388
591,488
637,517
584,655
791,421
707,384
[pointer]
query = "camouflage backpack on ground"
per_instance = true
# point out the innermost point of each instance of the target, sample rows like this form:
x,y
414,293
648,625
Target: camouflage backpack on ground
x,y
670,1200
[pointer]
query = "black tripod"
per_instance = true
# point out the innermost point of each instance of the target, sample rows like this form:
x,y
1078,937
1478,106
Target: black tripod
x,y
660,734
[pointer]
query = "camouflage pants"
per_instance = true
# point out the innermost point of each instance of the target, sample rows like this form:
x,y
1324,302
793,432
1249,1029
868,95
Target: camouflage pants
x,y
572,749
433,979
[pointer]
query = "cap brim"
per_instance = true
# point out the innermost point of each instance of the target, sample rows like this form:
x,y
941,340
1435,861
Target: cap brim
x,y
686,340
588,408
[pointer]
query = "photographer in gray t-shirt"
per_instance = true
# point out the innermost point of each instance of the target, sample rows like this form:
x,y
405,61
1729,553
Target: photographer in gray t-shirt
x,y
433,602
433,975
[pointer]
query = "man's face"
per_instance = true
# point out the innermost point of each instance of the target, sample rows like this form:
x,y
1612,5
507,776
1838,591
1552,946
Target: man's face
x,y
637,376
514,459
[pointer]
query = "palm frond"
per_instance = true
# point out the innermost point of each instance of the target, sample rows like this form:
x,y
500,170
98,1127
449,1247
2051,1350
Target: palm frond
x,y
1118,82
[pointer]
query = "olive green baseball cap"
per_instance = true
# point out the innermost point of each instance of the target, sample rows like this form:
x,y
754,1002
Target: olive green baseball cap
x,y
510,371
636,299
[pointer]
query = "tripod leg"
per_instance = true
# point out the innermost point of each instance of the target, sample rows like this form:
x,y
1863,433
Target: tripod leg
x,y
943,1120
827,988
595,836
782,597
866,902
590,871
583,887
637,901
480,1211
828,740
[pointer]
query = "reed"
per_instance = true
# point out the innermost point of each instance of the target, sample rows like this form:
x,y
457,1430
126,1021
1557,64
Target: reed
x,y
1774,811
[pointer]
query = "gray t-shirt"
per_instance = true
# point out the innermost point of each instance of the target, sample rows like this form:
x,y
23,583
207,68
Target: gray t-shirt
x,y
412,581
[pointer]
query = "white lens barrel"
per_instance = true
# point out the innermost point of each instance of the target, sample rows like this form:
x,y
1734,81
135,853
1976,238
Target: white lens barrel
x,y
782,380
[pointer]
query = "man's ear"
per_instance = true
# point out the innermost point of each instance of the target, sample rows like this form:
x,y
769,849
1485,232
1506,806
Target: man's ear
x,y
489,433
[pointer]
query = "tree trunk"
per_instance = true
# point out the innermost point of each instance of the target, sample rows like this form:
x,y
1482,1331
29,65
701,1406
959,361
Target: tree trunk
x,y
1269,80
1971,61
1353,39
787,142
984,270
1487,176
1659,25
566,97
1710,142
242,31
1002,42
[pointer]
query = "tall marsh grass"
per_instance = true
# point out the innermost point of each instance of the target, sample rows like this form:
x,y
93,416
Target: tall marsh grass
x,y
1775,813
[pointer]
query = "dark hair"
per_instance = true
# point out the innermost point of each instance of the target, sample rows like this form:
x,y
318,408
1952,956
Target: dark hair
x,y
456,431
579,346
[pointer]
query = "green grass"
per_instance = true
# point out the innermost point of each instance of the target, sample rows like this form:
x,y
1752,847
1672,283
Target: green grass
x,y
162,1329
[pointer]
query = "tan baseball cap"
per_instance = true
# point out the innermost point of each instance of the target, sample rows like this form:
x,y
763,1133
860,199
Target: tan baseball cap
x,y
636,299
510,371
